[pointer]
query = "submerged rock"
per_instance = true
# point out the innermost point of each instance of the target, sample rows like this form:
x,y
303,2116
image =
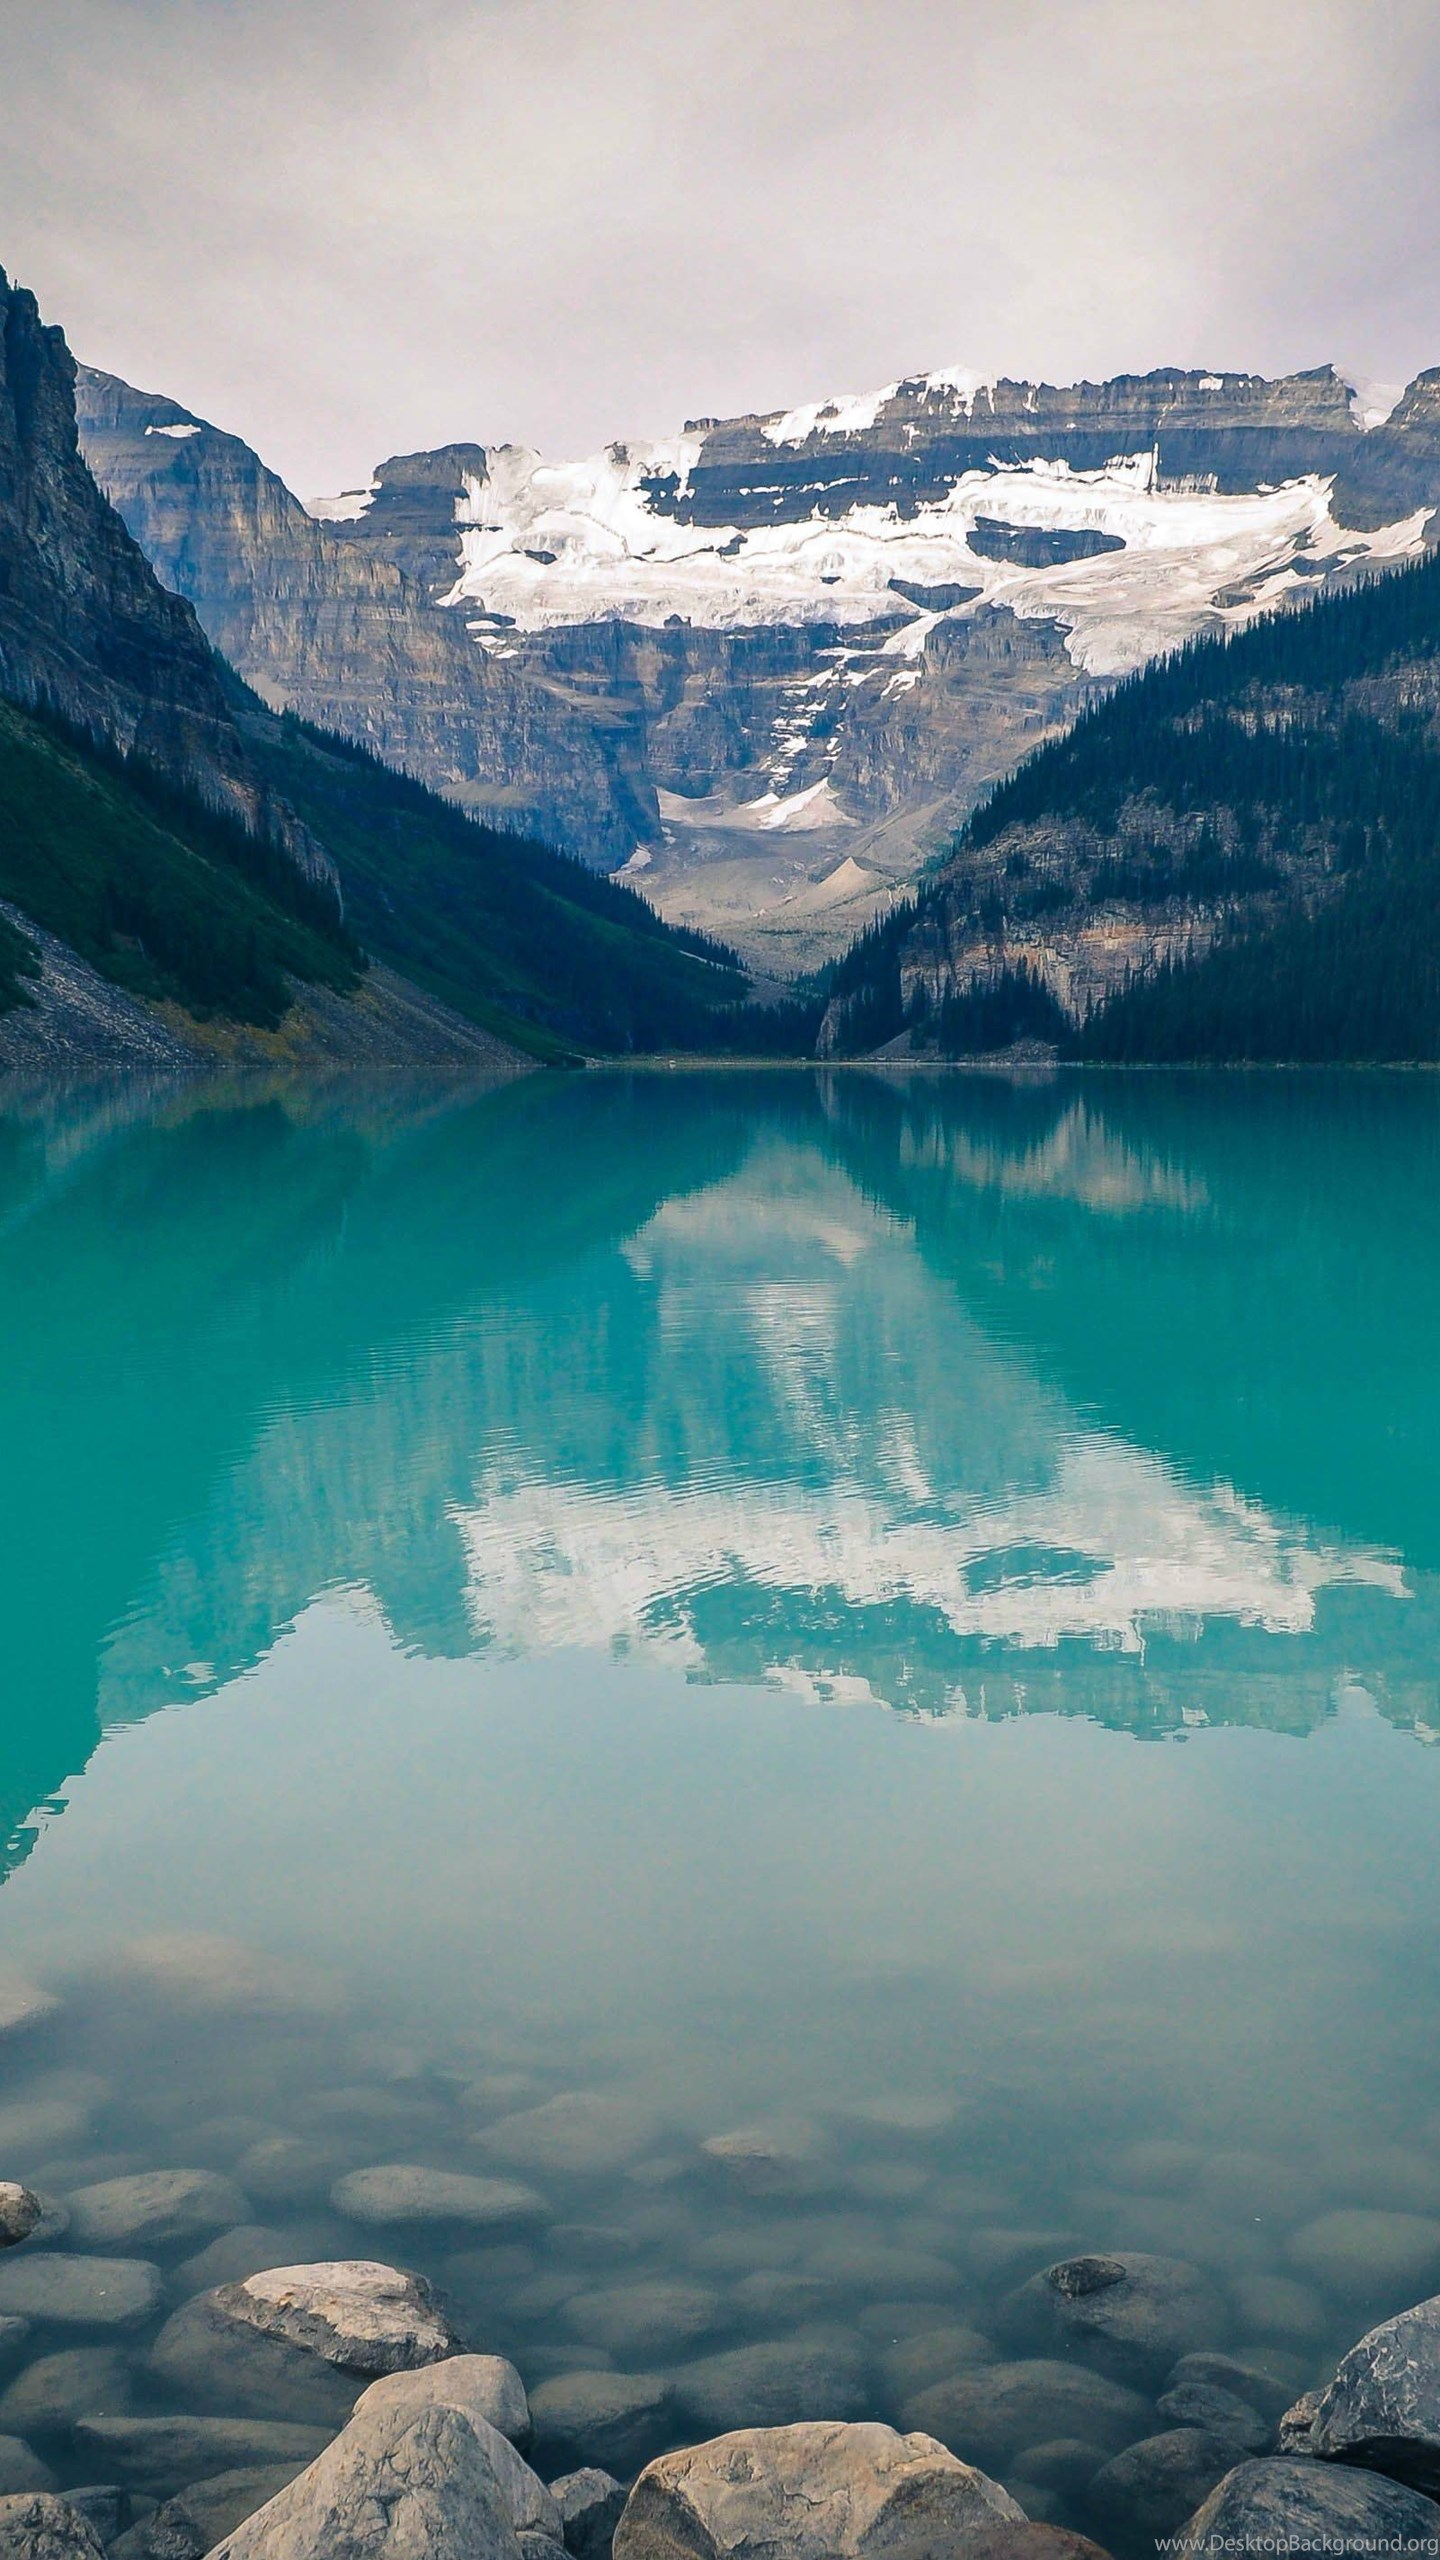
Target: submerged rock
x,y
608,2418
820,2491
1129,2313
246,2250
643,2320
1260,2390
784,2158
1219,2413
21,2468
207,2360
1321,2506
157,2210
23,2004
401,2196
776,2383
988,2413
581,2133
1149,2489
1383,2407
78,2292
1296,2428
1359,2252
591,2504
398,2484
162,2454
46,2528
56,2390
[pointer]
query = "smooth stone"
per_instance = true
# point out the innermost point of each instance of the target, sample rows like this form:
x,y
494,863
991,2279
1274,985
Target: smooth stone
x,y
23,2004
817,2491
643,2320
191,2523
782,2158
1387,2175
484,2388
897,2112
353,2312
398,2484
1276,2504
164,2454
158,2210
1150,2488
612,2417
196,1970
930,2355
1039,2506
78,2382
989,2413
79,2293
872,2265
1383,2406
889,2181
21,2212
581,2133
403,2196
1279,2307
777,2382
1066,2465
590,2244
1253,2186
32,2128
1261,2390
288,2169
1361,2252
1217,2413
591,2504
379,2114
21,2469
46,2528
1130,2314
1296,2428
14,2338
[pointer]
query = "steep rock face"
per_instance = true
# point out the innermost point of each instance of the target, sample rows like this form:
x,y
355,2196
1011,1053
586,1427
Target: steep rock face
x,y
346,632
86,629
772,662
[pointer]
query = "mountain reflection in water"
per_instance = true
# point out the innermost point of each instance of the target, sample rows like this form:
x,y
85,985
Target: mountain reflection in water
x,y
1116,1398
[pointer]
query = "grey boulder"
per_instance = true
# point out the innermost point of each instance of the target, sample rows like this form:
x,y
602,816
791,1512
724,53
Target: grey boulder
x,y
398,2484
1259,2389
1204,2404
485,2387
464,2384
1130,2314
187,2526
1149,2489
348,2311
1301,2505
1383,2407
591,2504
611,2418
79,2292
20,2468
777,2382
990,2413
159,2209
821,2491
77,2382
46,2528
205,2359
401,2197
1296,2428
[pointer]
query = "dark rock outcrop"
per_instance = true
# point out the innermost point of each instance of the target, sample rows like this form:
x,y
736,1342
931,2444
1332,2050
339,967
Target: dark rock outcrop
x,y
1383,2407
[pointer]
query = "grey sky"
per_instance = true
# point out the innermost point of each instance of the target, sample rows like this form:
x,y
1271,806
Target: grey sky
x,y
346,228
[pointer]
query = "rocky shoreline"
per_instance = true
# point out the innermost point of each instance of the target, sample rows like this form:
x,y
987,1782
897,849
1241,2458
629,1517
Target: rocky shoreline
x,y
311,2334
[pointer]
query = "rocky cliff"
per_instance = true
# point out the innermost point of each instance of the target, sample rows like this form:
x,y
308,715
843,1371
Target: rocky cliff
x,y
772,663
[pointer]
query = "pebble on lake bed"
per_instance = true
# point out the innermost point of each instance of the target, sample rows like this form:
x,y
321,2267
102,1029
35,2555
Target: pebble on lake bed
x,y
79,2292
161,2208
398,2195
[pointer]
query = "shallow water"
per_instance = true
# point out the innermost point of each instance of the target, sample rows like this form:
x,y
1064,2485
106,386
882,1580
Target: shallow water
x,y
898,1614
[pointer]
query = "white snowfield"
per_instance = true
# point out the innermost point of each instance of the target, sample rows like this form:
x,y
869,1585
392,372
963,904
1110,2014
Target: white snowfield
x,y
543,545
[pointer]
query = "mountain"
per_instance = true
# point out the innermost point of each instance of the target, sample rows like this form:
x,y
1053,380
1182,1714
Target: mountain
x,y
1235,856
183,870
769,665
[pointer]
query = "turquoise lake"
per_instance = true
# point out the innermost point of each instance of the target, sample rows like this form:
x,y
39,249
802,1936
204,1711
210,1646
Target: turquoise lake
x,y
897,1619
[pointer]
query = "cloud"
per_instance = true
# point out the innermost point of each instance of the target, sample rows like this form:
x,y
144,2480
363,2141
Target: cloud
x,y
351,227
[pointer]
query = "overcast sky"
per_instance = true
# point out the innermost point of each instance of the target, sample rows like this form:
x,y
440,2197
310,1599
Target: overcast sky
x,y
347,228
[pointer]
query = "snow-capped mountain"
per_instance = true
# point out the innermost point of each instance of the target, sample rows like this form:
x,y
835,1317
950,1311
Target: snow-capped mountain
x,y
770,663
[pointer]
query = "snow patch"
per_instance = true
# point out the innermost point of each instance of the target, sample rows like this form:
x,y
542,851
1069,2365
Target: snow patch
x,y
1372,403
348,508
849,415
796,812
178,430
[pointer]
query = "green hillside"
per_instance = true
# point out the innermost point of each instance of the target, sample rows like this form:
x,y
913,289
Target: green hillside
x,y
158,893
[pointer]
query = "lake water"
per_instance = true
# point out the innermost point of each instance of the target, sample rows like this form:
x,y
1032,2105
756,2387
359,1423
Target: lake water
x,y
891,1618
